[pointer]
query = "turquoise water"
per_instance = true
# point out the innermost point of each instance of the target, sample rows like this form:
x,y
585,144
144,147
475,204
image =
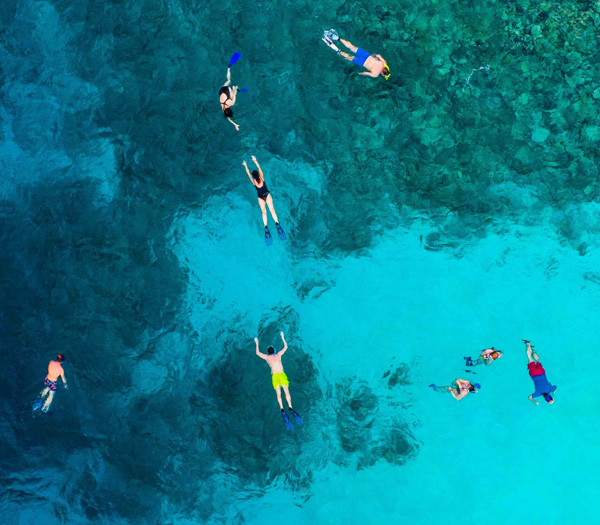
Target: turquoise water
x,y
448,209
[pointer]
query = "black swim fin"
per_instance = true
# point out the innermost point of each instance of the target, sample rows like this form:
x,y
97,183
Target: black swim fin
x,y
286,420
268,237
281,233
296,417
468,361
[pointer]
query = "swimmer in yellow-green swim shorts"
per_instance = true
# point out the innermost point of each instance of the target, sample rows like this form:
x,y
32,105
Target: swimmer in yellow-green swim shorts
x,y
279,380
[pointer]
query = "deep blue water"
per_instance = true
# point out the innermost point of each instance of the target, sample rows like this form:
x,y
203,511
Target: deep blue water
x,y
452,207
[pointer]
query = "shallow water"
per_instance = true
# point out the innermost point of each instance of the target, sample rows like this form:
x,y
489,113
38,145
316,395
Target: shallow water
x,y
448,209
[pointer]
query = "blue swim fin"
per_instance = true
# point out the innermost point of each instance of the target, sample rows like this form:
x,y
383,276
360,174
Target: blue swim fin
x,y
281,233
37,403
432,385
268,237
296,417
236,56
286,420
244,90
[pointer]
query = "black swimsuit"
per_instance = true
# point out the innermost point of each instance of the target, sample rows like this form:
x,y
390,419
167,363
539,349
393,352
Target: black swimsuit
x,y
225,91
263,191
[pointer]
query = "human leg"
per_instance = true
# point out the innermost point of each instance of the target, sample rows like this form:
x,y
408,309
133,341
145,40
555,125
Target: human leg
x,y
263,209
349,45
48,401
288,398
529,351
347,56
278,391
271,208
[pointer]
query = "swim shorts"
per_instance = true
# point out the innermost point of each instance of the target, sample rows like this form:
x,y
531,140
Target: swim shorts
x,y
279,379
50,384
361,57
535,369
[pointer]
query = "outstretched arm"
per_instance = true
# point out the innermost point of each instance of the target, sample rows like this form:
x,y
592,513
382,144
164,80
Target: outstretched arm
x,y
258,166
533,400
248,172
285,347
237,128
258,353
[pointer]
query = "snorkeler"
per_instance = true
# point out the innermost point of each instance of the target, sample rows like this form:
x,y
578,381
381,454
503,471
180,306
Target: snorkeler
x,y
264,200
55,370
538,375
375,64
459,389
487,357
279,380
227,96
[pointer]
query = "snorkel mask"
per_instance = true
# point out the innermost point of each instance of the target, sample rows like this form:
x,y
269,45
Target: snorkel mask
x,y
388,72
60,358
548,398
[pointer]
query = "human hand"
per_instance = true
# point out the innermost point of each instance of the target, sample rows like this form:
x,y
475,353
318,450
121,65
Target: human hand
x,y
256,340
66,386
237,128
253,158
244,163
281,335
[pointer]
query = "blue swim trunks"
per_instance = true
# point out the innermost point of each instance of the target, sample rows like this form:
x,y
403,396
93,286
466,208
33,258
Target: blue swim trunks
x,y
542,386
361,57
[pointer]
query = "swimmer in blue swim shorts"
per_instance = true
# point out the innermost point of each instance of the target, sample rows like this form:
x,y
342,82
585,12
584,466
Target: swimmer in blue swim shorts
x,y
375,64
537,373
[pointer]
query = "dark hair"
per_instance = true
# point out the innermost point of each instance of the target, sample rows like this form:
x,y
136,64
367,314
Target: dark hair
x,y
60,358
228,112
270,350
386,71
255,175
471,388
548,397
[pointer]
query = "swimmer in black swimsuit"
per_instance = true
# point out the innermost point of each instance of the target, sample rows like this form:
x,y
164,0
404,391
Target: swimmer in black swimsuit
x,y
227,96
264,199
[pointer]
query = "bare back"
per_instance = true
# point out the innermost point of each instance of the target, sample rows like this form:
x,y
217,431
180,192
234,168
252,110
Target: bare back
x,y
274,361
375,64
55,370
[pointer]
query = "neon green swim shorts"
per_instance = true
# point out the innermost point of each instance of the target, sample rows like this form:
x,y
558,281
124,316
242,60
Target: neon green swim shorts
x,y
279,379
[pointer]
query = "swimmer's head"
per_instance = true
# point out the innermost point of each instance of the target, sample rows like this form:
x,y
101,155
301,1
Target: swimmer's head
x,y
271,351
60,358
228,113
386,72
495,355
255,175
548,398
474,388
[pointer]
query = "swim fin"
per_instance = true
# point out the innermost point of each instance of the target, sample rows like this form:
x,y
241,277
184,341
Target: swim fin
x,y
468,361
281,233
244,90
330,44
38,403
268,237
286,420
432,385
236,56
332,34
296,417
